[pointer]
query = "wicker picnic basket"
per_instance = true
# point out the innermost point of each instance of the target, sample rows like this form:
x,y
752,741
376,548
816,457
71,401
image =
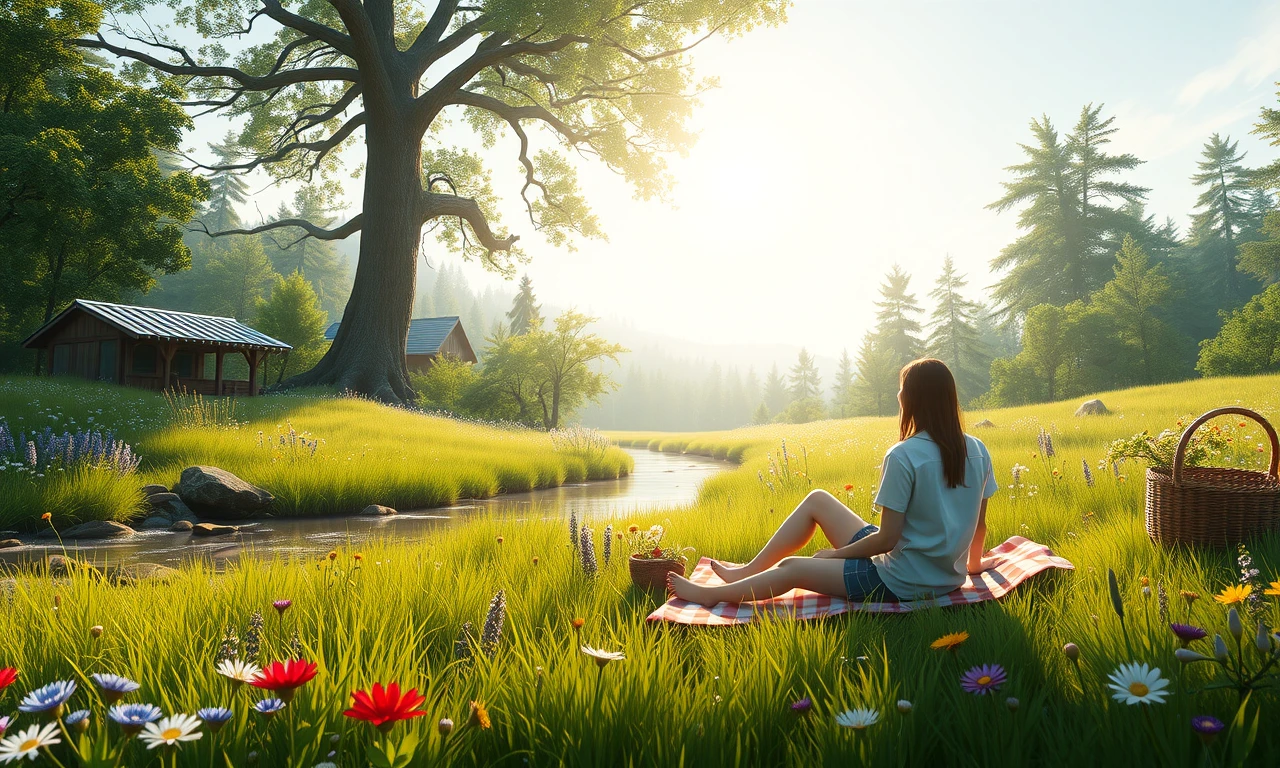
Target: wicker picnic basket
x,y
1216,506
651,573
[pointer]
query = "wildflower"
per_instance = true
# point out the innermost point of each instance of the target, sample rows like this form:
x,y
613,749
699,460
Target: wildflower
x,y
1187,633
608,543
77,721
491,634
171,731
8,675
113,687
1262,640
230,646
1190,597
587,551
858,719
357,556
462,645
1186,656
950,641
1138,684
983,679
535,559
45,517
238,672
214,717
333,554
285,677
253,637
479,717
28,743
5,722
1144,581
132,717
1207,727
1273,590
382,707
633,529
848,487
577,623
802,706
281,606
445,726
573,528
1012,704
95,631
904,707
500,539
49,699
1220,651
1162,598
268,707
602,658
1088,474
1113,587
1233,624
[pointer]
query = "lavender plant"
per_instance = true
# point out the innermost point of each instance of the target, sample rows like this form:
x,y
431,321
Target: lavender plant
x,y
40,452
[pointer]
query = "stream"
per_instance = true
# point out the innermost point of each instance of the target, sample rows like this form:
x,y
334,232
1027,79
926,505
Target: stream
x,y
658,480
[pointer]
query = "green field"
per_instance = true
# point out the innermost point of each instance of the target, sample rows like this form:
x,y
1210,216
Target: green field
x,y
704,696
367,453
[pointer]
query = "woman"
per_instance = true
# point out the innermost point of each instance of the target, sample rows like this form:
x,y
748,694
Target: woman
x,y
933,510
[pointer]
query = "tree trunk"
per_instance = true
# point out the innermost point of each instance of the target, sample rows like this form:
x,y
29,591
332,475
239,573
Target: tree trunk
x,y
367,356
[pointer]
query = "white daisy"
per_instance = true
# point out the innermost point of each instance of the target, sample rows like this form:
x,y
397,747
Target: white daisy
x,y
603,657
1138,684
170,731
858,719
237,671
28,743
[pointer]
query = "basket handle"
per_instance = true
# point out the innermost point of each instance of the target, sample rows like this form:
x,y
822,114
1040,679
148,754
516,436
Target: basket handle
x,y
1180,454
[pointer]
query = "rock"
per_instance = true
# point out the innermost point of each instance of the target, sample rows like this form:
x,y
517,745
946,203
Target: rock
x,y
209,529
1092,408
61,565
155,523
9,543
154,490
377,509
182,526
94,529
220,495
132,573
984,424
171,506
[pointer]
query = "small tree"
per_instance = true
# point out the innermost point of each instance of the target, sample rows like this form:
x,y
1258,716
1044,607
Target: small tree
x,y
292,314
1249,341
565,354
526,313
446,382
954,337
1044,345
775,391
876,385
1134,300
804,383
842,390
897,328
238,276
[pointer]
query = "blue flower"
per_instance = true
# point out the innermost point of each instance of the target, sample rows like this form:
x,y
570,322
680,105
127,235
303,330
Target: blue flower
x,y
268,707
132,717
50,698
75,717
214,717
114,687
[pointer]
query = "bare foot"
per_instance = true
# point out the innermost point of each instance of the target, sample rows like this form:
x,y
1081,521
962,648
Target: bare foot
x,y
730,573
687,590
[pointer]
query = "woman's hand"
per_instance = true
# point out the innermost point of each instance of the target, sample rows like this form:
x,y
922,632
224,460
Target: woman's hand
x,y
826,554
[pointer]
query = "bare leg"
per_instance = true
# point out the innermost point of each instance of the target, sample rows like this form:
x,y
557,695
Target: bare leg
x,y
819,508
825,576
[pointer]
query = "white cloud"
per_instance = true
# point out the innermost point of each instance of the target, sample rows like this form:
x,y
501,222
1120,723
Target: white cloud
x,y
1256,60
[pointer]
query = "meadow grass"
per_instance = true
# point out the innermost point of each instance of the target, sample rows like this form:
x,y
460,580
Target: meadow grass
x,y
365,453
698,696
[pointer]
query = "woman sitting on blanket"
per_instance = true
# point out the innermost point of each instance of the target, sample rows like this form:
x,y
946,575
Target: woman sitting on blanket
x,y
933,510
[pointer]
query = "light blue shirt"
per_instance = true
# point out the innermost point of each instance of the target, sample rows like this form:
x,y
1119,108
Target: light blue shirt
x,y
931,558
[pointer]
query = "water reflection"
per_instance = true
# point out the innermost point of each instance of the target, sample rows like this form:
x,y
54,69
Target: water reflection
x,y
659,480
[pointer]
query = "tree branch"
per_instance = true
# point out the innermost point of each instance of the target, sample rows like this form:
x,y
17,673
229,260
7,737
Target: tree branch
x,y
333,37
422,54
353,225
321,146
436,205
513,114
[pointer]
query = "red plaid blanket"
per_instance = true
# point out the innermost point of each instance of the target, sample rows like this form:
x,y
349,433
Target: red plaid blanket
x,y
1016,560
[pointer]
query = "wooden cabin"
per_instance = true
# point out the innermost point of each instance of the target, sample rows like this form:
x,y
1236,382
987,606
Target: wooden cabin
x,y
429,337
151,348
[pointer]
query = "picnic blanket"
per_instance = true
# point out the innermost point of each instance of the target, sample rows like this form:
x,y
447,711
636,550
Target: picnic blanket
x,y
1016,560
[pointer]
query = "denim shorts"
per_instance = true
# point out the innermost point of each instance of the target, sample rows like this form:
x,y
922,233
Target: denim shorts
x,y
861,578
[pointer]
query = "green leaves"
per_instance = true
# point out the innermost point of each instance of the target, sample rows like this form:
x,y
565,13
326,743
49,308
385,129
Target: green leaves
x,y
388,754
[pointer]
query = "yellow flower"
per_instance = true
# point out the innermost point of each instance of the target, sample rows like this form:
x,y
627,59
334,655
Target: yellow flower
x,y
479,716
1236,593
1189,596
950,641
1273,590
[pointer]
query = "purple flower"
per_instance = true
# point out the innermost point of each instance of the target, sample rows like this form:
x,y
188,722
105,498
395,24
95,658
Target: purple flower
x,y
281,606
1187,633
983,679
5,722
1206,727
802,706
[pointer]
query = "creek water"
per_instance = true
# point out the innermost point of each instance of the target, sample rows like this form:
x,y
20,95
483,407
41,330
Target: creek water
x,y
658,480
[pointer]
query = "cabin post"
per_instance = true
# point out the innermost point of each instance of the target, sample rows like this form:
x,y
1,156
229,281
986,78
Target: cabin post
x,y
167,352
217,371
252,356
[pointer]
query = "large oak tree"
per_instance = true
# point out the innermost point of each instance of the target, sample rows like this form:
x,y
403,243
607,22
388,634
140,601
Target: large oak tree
x,y
609,79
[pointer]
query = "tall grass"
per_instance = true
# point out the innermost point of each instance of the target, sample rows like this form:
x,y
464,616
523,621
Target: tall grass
x,y
364,453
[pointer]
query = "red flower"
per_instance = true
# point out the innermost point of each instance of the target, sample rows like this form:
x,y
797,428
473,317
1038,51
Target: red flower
x,y
657,552
284,677
848,486
384,707
7,677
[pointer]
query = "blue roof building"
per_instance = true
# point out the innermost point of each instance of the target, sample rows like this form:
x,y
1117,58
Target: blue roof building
x,y
429,337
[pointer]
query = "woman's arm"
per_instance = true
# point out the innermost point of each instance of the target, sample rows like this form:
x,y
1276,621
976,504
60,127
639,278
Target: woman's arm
x,y
979,544
883,540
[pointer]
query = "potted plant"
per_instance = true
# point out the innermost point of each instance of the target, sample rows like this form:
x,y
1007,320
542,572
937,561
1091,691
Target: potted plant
x,y
650,559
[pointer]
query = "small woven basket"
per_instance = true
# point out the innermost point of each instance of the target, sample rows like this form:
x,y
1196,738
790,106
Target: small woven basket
x,y
648,573
1213,506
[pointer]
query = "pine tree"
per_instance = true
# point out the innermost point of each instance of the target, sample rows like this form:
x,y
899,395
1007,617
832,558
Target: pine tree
x,y
227,189
293,315
876,385
316,260
238,276
897,329
953,333
775,392
446,292
1135,300
1222,213
842,390
526,313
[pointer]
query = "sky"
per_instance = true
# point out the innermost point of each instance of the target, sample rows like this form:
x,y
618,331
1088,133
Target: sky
x,y
861,135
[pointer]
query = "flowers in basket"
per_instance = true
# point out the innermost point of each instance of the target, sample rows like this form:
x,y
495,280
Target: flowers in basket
x,y
1209,442
648,545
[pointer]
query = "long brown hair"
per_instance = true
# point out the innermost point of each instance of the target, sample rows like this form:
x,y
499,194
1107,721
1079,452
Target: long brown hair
x,y
930,404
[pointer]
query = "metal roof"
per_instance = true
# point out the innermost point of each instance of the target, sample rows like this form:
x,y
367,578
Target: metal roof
x,y
426,334
168,325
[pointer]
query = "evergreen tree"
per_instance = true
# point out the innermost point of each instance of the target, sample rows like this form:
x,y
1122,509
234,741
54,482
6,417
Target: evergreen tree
x,y
239,275
293,315
316,260
526,313
227,189
842,391
711,412
897,329
775,391
804,382
761,414
1249,342
876,385
1222,213
953,333
1134,301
